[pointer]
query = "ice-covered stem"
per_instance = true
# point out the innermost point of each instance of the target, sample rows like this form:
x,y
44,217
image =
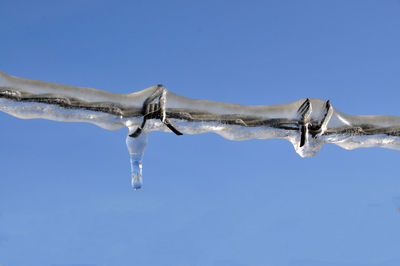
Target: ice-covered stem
x,y
307,123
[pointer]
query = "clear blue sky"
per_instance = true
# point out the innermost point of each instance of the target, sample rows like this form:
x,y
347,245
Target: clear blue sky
x,y
65,195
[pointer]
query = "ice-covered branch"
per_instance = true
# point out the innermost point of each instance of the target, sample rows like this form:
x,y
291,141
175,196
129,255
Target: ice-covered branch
x,y
307,123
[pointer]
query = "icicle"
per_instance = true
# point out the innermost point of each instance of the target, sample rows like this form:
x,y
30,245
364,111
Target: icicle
x,y
308,123
136,147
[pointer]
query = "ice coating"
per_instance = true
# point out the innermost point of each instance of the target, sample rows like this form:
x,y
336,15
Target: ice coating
x,y
307,123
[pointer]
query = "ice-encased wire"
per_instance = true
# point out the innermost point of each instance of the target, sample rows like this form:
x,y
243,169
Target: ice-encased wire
x,y
307,123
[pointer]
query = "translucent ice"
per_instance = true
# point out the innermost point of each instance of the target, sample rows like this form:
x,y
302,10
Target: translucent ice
x,y
136,147
307,123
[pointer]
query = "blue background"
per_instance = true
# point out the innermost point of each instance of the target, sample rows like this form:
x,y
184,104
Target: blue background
x,y
65,195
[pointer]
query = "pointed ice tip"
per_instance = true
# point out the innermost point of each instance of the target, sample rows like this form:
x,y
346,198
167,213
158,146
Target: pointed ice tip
x,y
137,179
137,186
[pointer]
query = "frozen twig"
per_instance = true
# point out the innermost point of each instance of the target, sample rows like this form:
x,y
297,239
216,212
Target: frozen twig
x,y
307,123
